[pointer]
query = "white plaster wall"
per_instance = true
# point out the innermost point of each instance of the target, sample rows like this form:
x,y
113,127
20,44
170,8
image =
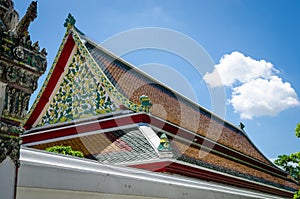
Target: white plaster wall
x,y
7,179
35,193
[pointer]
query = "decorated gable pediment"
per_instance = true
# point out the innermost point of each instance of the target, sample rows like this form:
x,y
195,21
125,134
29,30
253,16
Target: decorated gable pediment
x,y
79,94
76,87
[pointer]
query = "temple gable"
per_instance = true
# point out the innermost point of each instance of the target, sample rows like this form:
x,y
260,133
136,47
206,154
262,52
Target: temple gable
x,y
79,94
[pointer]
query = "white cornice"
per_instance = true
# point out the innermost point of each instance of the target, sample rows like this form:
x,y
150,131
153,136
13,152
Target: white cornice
x,y
40,169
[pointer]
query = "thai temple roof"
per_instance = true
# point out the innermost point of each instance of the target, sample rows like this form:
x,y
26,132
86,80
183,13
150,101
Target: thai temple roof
x,y
105,107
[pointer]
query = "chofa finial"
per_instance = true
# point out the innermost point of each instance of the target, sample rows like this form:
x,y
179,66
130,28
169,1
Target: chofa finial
x,y
70,21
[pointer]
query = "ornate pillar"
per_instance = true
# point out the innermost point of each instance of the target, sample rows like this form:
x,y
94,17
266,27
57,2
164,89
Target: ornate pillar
x,y
21,64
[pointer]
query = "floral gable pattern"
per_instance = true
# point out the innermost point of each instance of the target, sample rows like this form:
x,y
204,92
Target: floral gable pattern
x,y
82,92
80,95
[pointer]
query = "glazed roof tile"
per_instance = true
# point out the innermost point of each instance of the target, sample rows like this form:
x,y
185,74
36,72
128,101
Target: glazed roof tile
x,y
126,145
191,154
140,148
180,111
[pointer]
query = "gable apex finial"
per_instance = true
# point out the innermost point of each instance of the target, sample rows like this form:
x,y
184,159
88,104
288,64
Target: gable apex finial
x,y
70,21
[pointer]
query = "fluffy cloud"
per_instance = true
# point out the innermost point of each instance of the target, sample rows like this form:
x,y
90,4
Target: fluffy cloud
x,y
236,67
256,88
260,97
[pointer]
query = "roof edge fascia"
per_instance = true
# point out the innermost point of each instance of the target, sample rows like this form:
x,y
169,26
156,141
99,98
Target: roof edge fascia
x,y
42,98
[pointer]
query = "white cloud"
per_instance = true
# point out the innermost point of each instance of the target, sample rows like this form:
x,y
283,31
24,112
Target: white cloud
x,y
236,67
256,88
260,97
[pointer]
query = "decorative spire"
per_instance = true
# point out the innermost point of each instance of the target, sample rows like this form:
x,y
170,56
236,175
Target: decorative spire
x,y
31,14
70,21
9,17
7,3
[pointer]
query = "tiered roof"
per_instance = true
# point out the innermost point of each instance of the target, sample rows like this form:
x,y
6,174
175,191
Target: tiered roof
x,y
91,101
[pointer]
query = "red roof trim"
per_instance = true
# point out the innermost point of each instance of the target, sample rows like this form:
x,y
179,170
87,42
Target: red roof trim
x,y
217,177
58,70
215,147
153,166
185,170
74,128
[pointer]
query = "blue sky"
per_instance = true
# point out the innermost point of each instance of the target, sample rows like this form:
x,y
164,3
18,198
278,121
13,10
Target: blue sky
x,y
254,44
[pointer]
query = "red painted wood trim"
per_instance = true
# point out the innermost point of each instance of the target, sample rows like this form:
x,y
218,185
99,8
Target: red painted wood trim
x,y
167,166
58,70
73,128
78,128
185,170
216,177
153,166
215,146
